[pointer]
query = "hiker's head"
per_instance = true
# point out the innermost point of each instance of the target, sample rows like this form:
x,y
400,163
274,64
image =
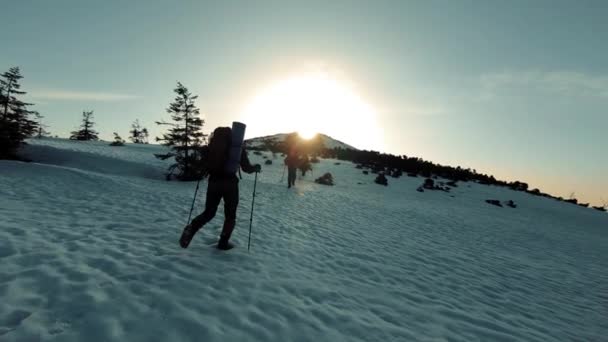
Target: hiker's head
x,y
221,134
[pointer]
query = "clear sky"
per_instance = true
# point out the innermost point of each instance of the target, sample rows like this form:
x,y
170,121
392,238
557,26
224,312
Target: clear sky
x,y
518,89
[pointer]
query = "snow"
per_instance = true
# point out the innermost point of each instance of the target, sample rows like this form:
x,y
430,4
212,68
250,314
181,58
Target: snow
x,y
328,141
89,252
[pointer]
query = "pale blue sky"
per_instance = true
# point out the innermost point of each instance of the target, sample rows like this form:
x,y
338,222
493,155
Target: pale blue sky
x,y
518,89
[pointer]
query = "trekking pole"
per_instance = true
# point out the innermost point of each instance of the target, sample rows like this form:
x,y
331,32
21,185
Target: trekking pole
x,y
255,182
283,175
194,200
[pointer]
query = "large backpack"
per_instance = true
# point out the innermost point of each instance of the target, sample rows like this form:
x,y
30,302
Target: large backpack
x,y
219,146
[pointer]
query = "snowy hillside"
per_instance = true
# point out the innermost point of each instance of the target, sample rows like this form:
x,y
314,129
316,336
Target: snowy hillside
x,y
89,252
328,141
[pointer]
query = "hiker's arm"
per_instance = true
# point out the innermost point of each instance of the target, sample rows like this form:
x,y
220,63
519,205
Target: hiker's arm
x,y
201,168
246,165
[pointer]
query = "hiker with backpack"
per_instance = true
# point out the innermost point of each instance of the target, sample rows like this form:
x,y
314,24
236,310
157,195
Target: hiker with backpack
x,y
224,155
292,161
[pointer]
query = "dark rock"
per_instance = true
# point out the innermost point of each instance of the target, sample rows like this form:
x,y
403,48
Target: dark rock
x,y
268,162
511,204
381,179
494,202
326,179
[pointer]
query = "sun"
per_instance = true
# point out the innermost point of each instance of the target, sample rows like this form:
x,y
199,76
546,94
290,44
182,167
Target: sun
x,y
306,134
313,103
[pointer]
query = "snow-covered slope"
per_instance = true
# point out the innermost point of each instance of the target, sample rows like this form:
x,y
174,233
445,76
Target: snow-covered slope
x,y
328,141
89,252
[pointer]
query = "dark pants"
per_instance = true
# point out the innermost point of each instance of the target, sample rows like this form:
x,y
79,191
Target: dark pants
x,y
228,189
291,176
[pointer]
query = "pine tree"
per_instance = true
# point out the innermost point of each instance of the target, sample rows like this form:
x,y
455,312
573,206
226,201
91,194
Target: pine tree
x,y
118,140
139,135
145,135
15,123
41,131
185,138
86,131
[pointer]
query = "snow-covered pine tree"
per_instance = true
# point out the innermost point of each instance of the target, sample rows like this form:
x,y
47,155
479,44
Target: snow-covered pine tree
x,y
15,122
86,131
185,137
138,134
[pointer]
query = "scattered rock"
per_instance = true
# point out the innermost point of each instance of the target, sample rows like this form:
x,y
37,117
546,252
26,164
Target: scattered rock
x,y
452,184
511,204
257,153
268,162
337,163
494,202
420,189
396,173
411,174
381,179
366,172
326,179
429,184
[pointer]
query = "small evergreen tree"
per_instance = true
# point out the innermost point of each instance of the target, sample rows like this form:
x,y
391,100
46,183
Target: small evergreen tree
x,y
138,134
86,131
41,131
15,123
118,141
304,165
185,137
145,135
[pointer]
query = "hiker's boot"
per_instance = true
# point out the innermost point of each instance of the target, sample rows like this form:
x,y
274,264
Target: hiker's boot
x,y
187,235
223,243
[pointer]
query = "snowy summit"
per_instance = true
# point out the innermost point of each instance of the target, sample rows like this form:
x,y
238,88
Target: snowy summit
x,y
328,142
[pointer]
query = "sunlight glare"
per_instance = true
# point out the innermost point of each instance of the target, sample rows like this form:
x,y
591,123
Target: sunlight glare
x,y
313,103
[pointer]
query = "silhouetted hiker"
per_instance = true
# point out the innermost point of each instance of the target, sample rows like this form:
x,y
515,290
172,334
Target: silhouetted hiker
x,y
292,161
223,183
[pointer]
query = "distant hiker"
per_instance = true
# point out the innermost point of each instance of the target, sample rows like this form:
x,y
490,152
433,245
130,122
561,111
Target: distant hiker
x,y
304,165
292,161
222,164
